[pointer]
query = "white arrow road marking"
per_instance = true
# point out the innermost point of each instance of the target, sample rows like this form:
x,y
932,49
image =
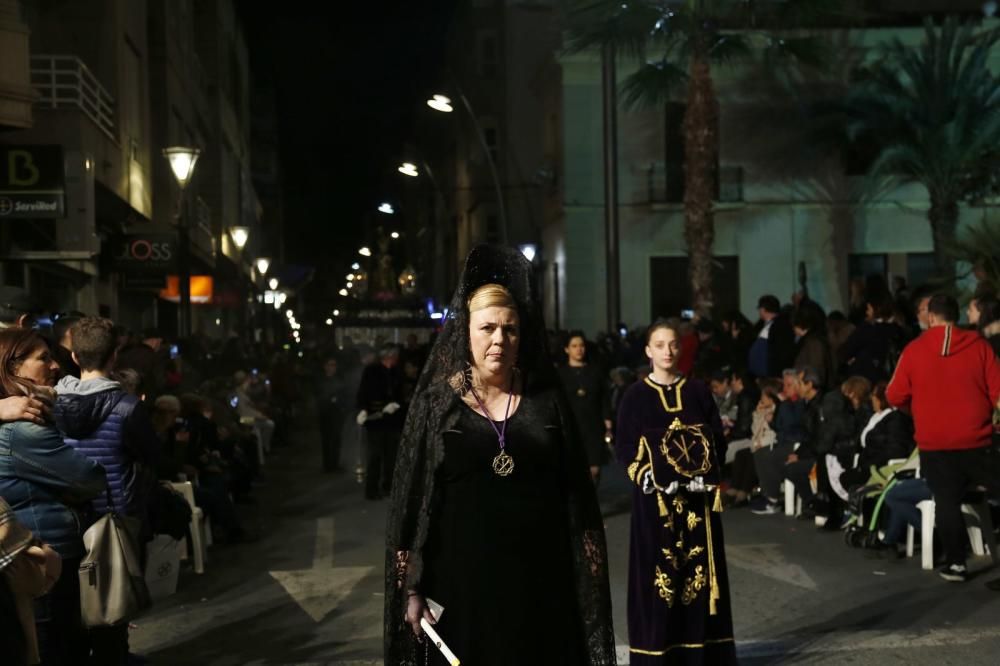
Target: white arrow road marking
x,y
319,589
766,559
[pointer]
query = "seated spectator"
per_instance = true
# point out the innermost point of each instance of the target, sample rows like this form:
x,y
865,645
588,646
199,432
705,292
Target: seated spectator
x,y
185,459
249,410
49,486
901,502
843,423
744,476
799,462
888,435
770,462
725,399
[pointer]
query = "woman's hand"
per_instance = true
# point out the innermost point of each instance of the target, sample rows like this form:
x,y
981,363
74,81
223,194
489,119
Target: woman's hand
x,y
24,408
416,609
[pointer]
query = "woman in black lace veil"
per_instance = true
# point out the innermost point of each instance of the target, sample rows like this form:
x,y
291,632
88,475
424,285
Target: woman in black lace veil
x,y
517,558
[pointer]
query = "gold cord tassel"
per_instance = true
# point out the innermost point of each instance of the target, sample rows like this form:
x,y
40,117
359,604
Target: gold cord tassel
x,y
663,505
714,593
717,507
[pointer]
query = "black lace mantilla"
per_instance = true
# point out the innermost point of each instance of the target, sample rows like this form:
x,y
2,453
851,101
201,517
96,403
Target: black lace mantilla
x,y
435,409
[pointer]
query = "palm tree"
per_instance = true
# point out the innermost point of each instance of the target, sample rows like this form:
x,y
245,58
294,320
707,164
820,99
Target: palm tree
x,y
932,115
687,39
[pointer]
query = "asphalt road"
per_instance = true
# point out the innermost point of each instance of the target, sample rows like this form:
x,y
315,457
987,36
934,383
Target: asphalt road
x,y
310,591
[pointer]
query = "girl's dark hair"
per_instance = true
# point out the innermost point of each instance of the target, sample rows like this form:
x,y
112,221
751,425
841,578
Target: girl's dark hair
x,y
574,334
878,391
989,311
16,344
770,387
662,322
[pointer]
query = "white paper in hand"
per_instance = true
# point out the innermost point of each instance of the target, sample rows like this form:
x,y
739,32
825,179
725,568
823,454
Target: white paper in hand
x,y
437,610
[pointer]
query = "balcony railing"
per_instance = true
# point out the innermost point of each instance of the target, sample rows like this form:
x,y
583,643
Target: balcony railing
x,y
63,81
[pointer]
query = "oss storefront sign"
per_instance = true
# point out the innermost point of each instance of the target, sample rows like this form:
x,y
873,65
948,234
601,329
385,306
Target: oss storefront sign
x,y
147,253
32,182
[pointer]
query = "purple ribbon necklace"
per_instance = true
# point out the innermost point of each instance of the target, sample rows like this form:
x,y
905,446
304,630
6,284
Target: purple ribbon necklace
x,y
503,464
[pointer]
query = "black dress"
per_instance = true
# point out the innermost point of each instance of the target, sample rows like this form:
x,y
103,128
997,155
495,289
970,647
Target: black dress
x,y
498,555
587,392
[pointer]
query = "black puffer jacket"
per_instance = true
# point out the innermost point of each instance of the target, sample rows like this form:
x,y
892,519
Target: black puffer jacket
x,y
891,438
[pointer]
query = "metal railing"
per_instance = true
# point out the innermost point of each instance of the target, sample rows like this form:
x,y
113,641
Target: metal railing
x,y
65,81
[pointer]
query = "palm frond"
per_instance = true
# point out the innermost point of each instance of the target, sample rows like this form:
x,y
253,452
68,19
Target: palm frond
x,y
979,246
652,84
625,26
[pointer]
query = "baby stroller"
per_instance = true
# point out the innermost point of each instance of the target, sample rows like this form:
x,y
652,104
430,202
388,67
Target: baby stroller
x,y
865,502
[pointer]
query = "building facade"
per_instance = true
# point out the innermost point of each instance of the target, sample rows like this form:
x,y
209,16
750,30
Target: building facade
x,y
783,204
111,85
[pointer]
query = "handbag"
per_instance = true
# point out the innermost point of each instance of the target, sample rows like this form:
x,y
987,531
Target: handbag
x,y
112,585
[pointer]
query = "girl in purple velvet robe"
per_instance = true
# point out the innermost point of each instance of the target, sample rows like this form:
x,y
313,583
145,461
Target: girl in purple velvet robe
x,y
670,440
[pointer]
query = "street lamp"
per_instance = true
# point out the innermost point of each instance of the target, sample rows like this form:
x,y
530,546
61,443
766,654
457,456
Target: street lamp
x,y
263,263
182,160
442,103
365,252
355,266
395,235
240,236
408,169
273,283
386,208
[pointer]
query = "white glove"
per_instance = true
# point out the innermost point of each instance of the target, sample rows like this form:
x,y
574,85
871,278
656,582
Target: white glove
x,y
391,408
696,485
362,417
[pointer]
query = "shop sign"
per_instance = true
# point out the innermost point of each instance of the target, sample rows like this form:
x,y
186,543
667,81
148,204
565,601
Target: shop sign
x,y
32,182
146,253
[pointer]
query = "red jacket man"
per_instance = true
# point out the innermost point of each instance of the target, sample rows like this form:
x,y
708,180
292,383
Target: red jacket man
x,y
950,380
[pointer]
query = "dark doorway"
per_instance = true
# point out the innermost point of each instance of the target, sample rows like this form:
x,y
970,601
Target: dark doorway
x,y
670,295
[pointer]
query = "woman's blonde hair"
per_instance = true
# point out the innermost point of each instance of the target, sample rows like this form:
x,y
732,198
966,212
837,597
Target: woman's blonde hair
x,y
491,296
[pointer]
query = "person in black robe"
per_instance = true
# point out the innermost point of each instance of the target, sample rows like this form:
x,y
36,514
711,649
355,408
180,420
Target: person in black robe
x,y
670,439
587,391
493,514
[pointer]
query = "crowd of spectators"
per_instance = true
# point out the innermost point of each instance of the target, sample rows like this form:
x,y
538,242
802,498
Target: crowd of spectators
x,y
894,400
97,419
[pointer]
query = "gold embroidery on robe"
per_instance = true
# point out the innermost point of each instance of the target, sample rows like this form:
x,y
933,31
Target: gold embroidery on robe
x,y
665,586
693,585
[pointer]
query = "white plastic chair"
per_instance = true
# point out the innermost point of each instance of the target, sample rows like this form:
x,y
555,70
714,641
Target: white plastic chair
x,y
980,532
200,529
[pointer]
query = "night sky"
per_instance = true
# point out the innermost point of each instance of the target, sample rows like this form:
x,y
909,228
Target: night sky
x,y
351,78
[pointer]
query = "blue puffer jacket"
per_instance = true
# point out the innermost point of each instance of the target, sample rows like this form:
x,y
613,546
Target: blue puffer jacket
x,y
48,484
94,417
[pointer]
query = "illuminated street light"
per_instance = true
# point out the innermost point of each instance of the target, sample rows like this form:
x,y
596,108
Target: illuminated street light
x,y
395,235
386,208
182,160
273,283
336,313
263,263
349,285
329,322
365,252
441,103
350,277
529,251
408,169
355,266
342,292
240,236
